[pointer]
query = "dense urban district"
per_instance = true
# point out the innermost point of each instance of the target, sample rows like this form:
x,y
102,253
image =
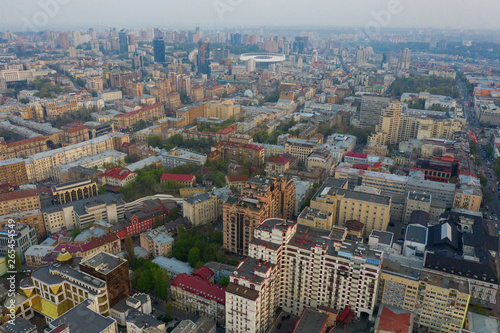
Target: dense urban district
x,y
249,181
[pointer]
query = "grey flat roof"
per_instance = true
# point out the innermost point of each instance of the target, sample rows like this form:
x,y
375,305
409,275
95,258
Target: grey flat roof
x,y
82,319
416,233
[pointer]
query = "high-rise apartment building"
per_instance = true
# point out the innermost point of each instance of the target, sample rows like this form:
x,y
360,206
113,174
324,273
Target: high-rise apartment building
x,y
371,109
159,50
294,269
261,198
64,41
404,59
203,60
123,39
394,127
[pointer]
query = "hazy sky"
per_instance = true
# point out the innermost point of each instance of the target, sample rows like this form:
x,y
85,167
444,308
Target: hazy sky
x,y
82,14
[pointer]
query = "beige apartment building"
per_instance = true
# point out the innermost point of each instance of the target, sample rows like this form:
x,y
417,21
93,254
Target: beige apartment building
x,y
57,109
39,166
157,242
363,204
468,197
201,209
439,303
13,172
222,109
395,127
18,201
148,113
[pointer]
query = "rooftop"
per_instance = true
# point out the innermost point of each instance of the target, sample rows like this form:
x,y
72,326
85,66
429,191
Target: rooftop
x,y
201,287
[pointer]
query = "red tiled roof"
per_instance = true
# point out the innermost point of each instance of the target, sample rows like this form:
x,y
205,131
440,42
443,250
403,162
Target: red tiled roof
x,y
237,178
238,144
358,155
26,141
278,159
228,129
204,273
361,166
200,287
140,110
176,177
393,322
18,194
117,172
76,129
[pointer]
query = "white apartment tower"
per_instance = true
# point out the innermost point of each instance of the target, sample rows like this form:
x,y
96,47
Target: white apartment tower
x,y
295,269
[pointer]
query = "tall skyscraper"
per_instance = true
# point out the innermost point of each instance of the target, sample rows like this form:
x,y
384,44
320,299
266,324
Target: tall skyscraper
x,y
159,50
203,61
386,60
404,59
123,39
236,39
64,41
361,56
302,44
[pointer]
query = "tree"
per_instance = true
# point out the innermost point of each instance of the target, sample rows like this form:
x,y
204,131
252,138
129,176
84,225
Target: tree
x,y
168,310
158,221
17,261
145,281
161,282
76,231
194,256
483,180
223,281
156,141
130,250
173,214
102,190
24,100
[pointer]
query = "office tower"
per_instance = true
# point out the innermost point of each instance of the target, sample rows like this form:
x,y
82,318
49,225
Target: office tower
x,y
261,198
371,109
94,44
236,39
300,63
265,77
159,50
361,56
386,60
292,268
123,39
138,60
203,60
404,59
64,41
251,66
286,48
111,269
302,44
131,40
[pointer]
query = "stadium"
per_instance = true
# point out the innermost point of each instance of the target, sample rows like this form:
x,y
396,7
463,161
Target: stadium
x,y
263,60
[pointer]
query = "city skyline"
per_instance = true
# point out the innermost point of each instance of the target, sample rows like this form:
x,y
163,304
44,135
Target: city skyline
x,y
372,15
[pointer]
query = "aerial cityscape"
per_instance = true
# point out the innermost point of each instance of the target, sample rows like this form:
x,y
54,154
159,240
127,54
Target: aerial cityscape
x,y
249,167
